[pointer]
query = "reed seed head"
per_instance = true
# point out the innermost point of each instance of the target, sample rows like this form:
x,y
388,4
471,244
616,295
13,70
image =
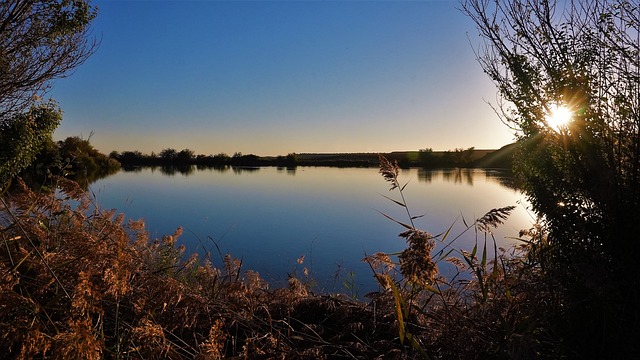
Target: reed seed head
x,y
389,171
416,263
493,218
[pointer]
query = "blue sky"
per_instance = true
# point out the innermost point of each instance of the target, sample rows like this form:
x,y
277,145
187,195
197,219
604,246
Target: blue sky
x,y
274,77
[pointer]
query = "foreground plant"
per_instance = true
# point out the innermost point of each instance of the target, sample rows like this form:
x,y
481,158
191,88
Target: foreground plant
x,y
488,309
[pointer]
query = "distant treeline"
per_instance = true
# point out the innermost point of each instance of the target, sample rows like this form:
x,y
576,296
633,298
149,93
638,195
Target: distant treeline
x,y
426,158
171,156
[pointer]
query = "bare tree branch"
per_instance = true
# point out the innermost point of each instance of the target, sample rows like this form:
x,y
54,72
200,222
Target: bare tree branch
x,y
40,40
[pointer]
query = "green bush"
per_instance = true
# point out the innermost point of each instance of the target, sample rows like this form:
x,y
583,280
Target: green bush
x,y
24,137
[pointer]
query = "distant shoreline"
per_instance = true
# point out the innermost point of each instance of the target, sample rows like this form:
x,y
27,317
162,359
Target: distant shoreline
x,y
471,158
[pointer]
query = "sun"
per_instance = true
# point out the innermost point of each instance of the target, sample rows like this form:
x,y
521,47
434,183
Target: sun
x,y
559,117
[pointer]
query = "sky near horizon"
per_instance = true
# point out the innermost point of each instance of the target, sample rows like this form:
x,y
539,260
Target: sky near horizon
x,y
275,77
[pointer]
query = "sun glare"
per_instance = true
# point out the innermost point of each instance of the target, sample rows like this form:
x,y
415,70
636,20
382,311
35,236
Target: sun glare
x,y
559,117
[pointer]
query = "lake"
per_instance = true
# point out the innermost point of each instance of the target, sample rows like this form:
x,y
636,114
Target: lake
x,y
269,217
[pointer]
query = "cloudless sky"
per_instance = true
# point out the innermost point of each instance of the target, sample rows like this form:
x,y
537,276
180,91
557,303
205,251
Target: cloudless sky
x,y
274,77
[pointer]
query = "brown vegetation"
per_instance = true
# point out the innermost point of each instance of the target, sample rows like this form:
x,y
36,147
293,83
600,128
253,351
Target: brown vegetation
x,y
77,281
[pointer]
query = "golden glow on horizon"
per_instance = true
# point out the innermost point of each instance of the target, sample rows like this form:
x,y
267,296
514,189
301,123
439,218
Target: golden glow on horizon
x,y
559,117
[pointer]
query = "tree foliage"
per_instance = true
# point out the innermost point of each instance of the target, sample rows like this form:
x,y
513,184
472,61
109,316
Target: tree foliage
x,y
22,139
584,56
83,158
73,158
40,40
168,154
185,155
584,179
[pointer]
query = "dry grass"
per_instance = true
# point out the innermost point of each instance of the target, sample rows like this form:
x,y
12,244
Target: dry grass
x,y
78,282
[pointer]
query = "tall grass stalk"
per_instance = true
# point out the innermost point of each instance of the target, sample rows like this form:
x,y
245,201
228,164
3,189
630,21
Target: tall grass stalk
x,y
429,307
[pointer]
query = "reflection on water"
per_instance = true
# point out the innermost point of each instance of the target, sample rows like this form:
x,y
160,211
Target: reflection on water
x,y
40,180
271,216
425,175
171,170
288,170
188,169
455,175
220,168
238,170
467,176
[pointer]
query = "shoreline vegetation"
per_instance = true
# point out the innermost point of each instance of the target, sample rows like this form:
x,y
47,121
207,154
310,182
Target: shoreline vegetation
x,y
78,281
76,159
426,158
84,282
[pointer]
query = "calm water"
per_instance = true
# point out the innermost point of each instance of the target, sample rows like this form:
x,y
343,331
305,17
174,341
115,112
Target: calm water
x,y
270,217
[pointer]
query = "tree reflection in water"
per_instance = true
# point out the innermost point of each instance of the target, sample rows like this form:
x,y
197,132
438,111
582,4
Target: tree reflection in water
x,y
466,175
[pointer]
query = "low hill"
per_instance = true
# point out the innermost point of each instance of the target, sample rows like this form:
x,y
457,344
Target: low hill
x,y
501,158
486,158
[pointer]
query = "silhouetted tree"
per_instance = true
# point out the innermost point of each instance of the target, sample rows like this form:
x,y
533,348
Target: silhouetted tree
x,y
131,157
221,159
244,160
168,154
40,40
426,157
185,155
464,157
292,159
584,180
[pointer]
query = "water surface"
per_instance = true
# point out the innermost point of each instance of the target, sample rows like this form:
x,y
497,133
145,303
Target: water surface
x,y
270,216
